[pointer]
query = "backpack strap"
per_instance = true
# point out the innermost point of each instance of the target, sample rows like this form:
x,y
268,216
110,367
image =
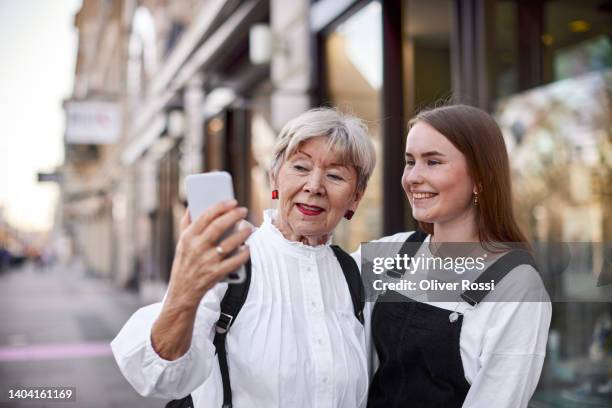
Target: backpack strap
x,y
186,402
497,272
353,280
232,302
408,248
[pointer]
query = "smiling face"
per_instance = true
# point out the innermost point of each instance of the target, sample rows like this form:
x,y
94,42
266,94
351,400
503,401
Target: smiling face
x,y
436,178
315,190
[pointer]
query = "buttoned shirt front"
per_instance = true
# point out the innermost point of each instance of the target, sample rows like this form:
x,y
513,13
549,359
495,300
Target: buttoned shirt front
x,y
295,343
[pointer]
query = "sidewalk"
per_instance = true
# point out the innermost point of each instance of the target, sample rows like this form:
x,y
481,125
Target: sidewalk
x,y
56,328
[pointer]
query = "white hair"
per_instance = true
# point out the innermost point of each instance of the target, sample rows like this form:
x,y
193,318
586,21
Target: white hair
x,y
348,135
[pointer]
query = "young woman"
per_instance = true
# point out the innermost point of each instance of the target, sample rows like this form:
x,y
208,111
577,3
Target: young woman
x,y
461,353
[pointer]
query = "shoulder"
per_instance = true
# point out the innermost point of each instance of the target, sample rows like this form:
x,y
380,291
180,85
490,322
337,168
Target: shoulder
x,y
523,283
514,318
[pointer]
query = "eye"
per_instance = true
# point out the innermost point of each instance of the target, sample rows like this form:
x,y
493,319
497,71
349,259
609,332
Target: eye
x,y
335,177
409,163
432,162
299,168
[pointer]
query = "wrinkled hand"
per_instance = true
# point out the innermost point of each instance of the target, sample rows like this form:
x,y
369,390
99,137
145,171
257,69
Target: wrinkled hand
x,y
197,265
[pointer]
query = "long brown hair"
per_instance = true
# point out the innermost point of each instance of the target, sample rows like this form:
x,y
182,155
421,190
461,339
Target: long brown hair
x,y
476,134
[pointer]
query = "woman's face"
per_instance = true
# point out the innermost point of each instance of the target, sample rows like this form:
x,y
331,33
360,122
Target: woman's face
x,y
436,178
315,189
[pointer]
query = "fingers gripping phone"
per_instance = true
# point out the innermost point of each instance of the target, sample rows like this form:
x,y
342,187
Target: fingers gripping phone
x,y
205,190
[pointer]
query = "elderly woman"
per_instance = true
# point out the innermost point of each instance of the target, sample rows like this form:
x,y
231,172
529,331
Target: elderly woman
x,y
297,341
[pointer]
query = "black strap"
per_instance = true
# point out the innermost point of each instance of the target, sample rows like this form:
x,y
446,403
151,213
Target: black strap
x,y
353,280
186,402
408,248
232,302
497,272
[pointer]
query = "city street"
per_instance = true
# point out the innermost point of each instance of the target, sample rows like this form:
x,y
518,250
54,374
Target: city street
x,y
56,327
344,121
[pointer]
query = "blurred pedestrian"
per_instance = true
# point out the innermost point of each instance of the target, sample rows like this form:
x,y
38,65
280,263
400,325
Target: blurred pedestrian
x,y
5,258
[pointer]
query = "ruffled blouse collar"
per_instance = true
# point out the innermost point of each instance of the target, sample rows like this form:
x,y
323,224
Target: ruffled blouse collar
x,y
295,247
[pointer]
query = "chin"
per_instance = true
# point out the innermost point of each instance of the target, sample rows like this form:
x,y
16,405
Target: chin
x,y
423,217
302,228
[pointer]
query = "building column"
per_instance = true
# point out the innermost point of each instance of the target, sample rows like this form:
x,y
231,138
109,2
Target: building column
x,y
291,64
471,42
193,145
394,125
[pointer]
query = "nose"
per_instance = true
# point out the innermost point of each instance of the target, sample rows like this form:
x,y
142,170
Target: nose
x,y
314,183
413,175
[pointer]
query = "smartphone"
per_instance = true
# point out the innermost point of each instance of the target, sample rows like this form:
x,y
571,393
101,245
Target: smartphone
x,y
205,190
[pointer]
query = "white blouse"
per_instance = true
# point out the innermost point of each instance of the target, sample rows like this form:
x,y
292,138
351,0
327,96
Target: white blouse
x,y
295,343
502,343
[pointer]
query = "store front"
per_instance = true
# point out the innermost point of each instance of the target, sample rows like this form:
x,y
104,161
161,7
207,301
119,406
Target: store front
x,y
544,70
552,99
365,70
236,110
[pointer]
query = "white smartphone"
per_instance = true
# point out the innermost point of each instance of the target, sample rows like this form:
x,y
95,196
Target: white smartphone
x,y
205,190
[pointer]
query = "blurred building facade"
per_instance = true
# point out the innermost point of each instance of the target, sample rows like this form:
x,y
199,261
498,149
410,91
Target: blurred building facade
x,y
168,88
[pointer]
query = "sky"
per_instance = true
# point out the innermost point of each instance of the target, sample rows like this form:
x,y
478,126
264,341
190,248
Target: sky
x,y
38,47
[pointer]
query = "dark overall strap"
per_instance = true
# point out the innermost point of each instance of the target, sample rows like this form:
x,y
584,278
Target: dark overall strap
x,y
408,248
353,280
497,272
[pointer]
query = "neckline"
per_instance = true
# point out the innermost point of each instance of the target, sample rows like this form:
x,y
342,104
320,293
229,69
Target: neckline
x,y
293,247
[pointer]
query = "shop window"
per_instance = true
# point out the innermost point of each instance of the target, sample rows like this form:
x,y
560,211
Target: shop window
x,y
505,60
426,52
263,139
353,73
577,38
214,151
426,56
558,137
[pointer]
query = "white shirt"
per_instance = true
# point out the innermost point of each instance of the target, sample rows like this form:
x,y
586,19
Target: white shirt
x,y
502,344
295,343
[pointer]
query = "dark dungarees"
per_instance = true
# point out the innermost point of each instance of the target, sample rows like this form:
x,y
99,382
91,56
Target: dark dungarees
x,y
418,344
418,349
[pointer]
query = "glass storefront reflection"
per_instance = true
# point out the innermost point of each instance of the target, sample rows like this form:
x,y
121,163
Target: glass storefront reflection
x,y
576,38
353,69
426,53
560,142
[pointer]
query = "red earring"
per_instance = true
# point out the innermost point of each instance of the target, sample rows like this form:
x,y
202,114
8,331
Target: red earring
x,y
275,194
349,214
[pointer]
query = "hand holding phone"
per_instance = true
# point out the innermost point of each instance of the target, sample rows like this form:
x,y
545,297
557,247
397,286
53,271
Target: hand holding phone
x,y
205,190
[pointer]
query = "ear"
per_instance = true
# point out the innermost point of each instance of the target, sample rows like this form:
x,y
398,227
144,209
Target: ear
x,y
356,199
272,180
477,188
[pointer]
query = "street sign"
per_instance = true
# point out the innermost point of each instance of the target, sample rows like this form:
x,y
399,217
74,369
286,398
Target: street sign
x,y
92,122
49,177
